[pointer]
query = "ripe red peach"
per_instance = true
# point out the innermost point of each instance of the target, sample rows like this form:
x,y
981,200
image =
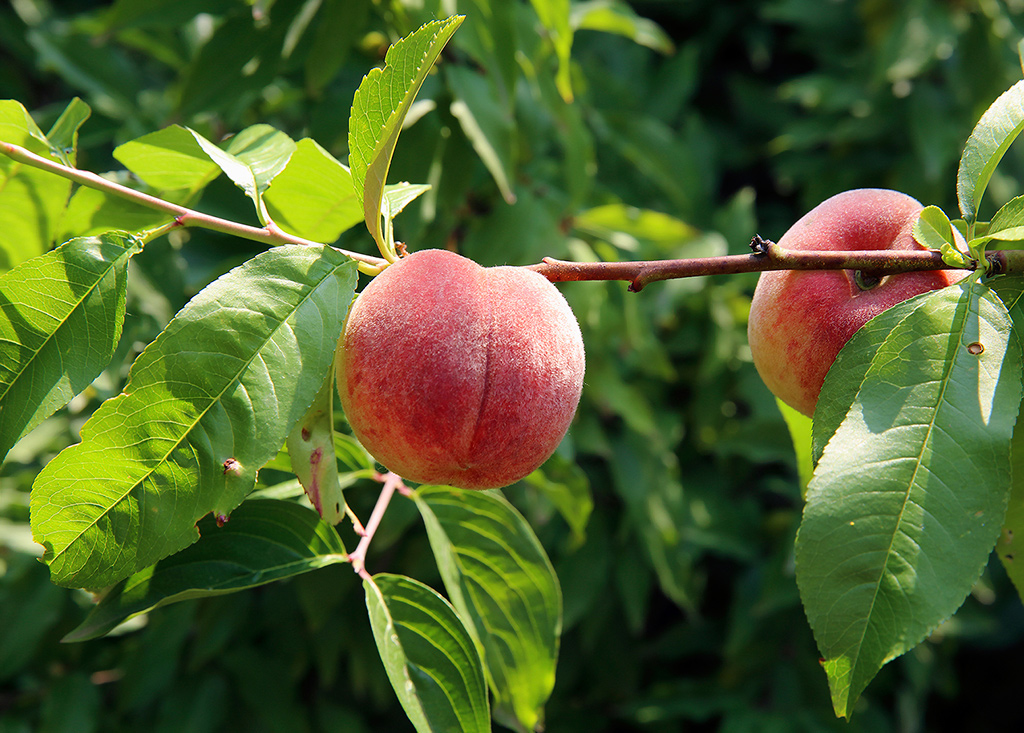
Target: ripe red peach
x,y
799,320
452,373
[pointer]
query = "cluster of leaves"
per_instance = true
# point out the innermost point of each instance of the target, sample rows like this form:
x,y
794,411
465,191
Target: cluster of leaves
x,y
679,567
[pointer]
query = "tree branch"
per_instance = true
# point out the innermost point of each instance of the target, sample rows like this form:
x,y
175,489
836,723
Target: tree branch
x,y
767,256
183,216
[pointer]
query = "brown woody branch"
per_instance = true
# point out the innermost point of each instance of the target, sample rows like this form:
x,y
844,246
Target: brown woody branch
x,y
767,256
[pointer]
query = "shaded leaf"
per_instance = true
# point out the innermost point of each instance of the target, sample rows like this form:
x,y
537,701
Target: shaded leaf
x,y
60,321
488,125
429,656
311,451
503,586
908,497
1010,547
207,404
264,541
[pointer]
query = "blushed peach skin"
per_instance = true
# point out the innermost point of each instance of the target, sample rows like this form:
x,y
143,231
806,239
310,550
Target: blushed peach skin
x,y
451,373
799,320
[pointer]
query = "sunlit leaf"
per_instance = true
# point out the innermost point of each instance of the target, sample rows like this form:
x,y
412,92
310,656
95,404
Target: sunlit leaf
x,y
379,107
988,142
207,403
908,497
60,321
168,160
63,136
31,200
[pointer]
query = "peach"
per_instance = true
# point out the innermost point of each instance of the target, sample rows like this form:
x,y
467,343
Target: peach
x,y
452,373
799,320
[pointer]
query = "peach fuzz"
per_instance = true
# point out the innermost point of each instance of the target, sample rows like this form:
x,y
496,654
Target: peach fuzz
x,y
799,320
452,373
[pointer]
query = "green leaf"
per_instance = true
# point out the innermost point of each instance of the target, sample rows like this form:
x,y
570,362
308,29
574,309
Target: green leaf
x,y
168,159
207,403
504,588
31,200
264,541
554,16
254,157
429,656
1010,547
846,374
800,431
313,196
60,321
566,486
628,227
908,497
379,107
311,451
988,142
934,230
63,136
489,126
613,16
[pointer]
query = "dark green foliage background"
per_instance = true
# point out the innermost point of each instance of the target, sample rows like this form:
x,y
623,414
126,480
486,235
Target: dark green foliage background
x,y
681,608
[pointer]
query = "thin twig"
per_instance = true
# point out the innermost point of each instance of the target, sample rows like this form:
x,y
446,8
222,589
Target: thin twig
x,y
769,257
183,216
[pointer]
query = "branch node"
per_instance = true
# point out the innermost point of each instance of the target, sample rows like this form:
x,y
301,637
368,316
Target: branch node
x,y
759,245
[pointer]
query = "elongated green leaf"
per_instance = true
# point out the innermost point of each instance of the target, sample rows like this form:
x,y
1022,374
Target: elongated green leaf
x,y
60,321
566,486
311,451
168,159
1010,547
264,541
554,16
429,656
909,495
989,141
505,590
614,16
849,370
800,432
207,404
31,200
313,196
489,126
254,157
379,107
63,136
934,230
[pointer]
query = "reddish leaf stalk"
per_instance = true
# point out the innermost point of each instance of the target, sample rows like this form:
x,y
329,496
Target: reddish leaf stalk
x,y
392,483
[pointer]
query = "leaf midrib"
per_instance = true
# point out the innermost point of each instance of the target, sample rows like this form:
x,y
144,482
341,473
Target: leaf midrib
x,y
913,481
177,443
63,322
